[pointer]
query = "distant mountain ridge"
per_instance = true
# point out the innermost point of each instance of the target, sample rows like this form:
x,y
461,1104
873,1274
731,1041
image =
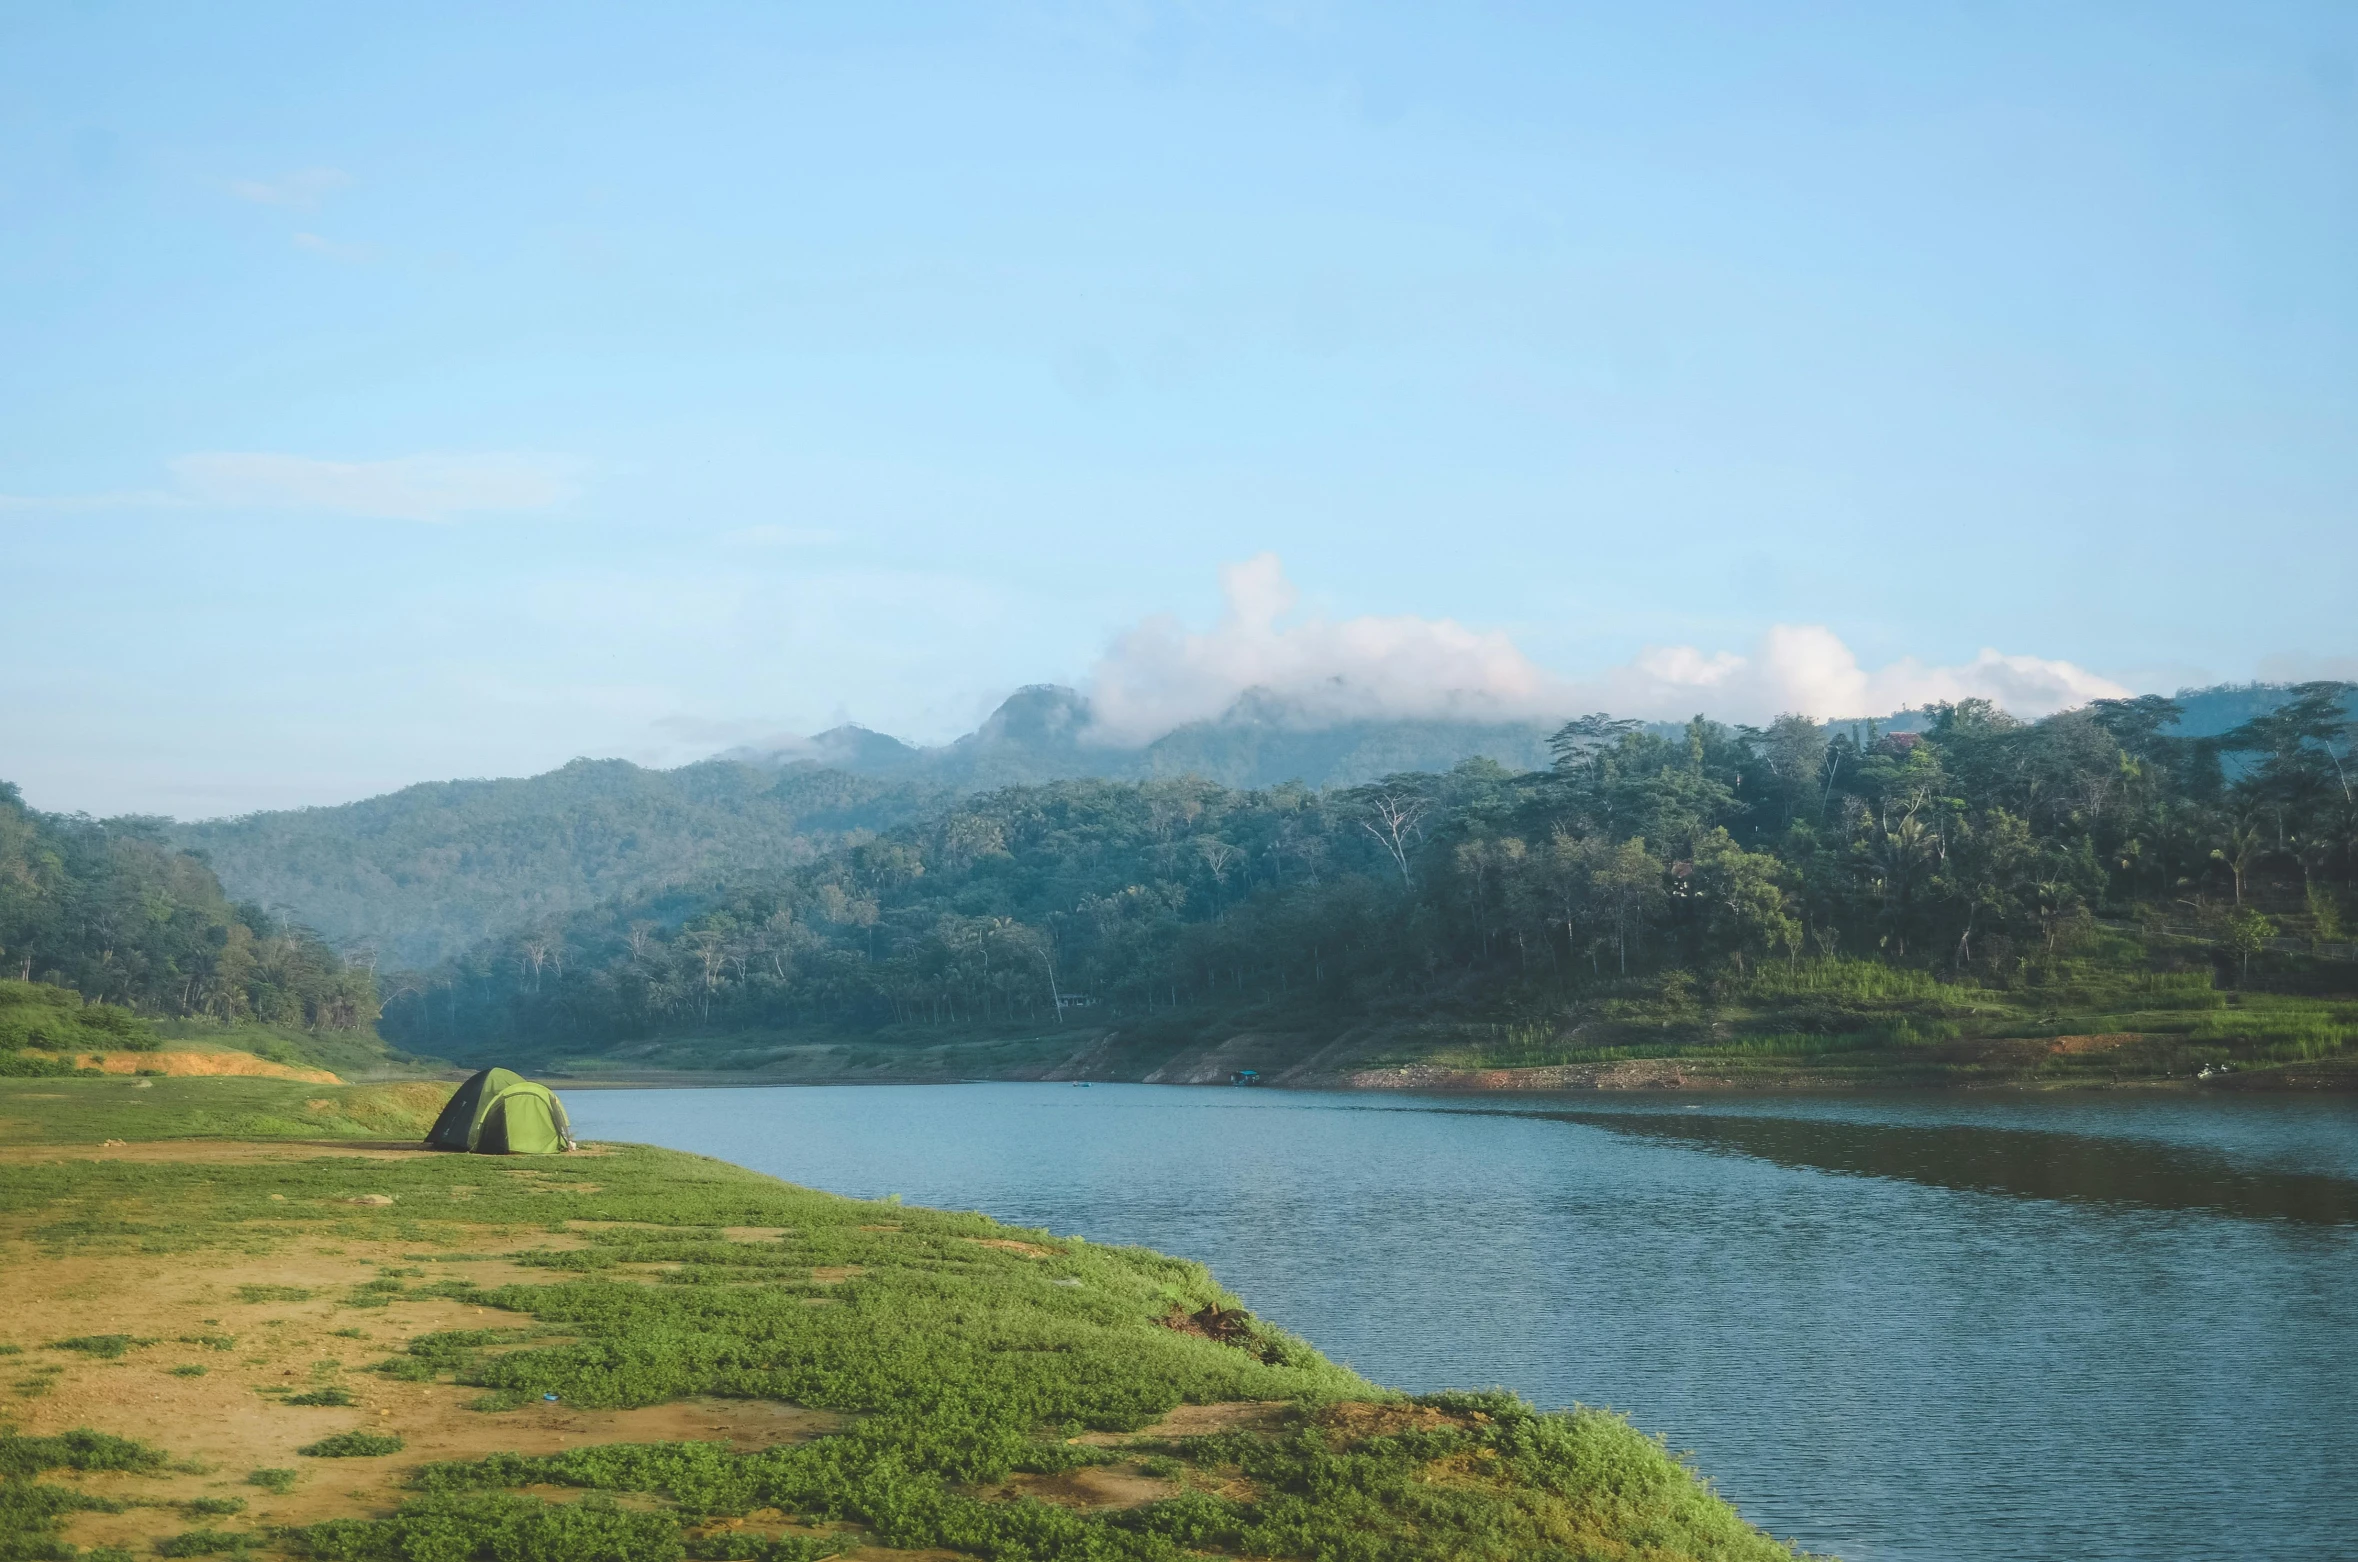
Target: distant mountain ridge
x,y
1042,732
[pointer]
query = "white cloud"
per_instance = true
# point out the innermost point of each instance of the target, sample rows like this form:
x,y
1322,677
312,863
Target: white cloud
x,y
1161,674
406,488
302,190
1807,668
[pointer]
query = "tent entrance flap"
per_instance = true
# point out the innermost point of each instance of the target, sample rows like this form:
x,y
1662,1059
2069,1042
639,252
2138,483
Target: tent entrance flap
x,y
499,1112
520,1124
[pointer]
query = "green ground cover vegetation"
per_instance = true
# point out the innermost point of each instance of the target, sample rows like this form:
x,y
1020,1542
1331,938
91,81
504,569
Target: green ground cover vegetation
x,y
32,1510
957,1358
89,1110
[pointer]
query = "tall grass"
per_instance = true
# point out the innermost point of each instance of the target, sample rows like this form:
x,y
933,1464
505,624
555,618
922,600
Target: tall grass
x,y
2287,1036
1839,980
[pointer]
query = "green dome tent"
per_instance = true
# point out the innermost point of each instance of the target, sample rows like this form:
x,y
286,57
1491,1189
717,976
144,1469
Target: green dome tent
x,y
500,1113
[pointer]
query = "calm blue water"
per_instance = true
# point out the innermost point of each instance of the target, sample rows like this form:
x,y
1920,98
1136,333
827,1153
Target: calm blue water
x,y
1889,1327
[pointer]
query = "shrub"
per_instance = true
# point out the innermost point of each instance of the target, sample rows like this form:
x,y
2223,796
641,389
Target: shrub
x,y
107,1345
593,1529
736,1546
353,1445
250,1294
331,1395
80,1449
212,1507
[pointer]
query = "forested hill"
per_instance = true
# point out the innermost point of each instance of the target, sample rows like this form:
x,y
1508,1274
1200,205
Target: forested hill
x,y
420,875
1637,868
426,872
114,911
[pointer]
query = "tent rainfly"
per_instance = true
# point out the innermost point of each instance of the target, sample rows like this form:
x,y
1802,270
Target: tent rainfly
x,y
501,1113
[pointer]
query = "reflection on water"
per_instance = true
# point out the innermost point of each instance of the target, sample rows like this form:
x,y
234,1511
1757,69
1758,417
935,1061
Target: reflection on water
x,y
2022,1162
2139,1350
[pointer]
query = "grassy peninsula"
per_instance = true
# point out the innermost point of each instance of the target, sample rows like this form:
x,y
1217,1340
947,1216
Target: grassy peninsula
x,y
246,1320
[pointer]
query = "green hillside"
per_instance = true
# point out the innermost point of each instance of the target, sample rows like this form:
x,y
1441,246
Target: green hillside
x,y
425,872
1732,891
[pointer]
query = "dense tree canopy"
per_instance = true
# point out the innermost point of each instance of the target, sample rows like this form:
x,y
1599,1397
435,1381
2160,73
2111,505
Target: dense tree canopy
x,y
1978,847
115,912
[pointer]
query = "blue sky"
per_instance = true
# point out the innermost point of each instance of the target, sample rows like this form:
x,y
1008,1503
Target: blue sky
x,y
392,393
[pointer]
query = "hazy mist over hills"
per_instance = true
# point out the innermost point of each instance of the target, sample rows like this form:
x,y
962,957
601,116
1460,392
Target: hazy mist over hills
x,y
1048,732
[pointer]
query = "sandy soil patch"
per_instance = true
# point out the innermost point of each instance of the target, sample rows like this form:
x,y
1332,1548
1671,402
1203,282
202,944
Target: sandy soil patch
x,y
214,1064
2104,1043
255,1322
1244,1415
1361,1419
1095,1486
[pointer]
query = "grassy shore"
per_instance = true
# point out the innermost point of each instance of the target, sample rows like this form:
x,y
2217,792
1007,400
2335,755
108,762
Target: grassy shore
x,y
256,1323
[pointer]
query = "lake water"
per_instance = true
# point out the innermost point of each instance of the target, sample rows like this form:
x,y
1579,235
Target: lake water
x,y
1888,1326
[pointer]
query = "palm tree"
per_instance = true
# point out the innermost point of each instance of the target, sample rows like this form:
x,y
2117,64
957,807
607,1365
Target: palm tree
x,y
2244,840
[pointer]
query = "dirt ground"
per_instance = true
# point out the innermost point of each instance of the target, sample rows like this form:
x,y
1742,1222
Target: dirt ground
x,y
219,1423
211,1416
1197,1421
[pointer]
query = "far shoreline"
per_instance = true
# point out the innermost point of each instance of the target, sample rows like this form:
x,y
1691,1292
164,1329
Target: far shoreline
x,y
2270,1082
